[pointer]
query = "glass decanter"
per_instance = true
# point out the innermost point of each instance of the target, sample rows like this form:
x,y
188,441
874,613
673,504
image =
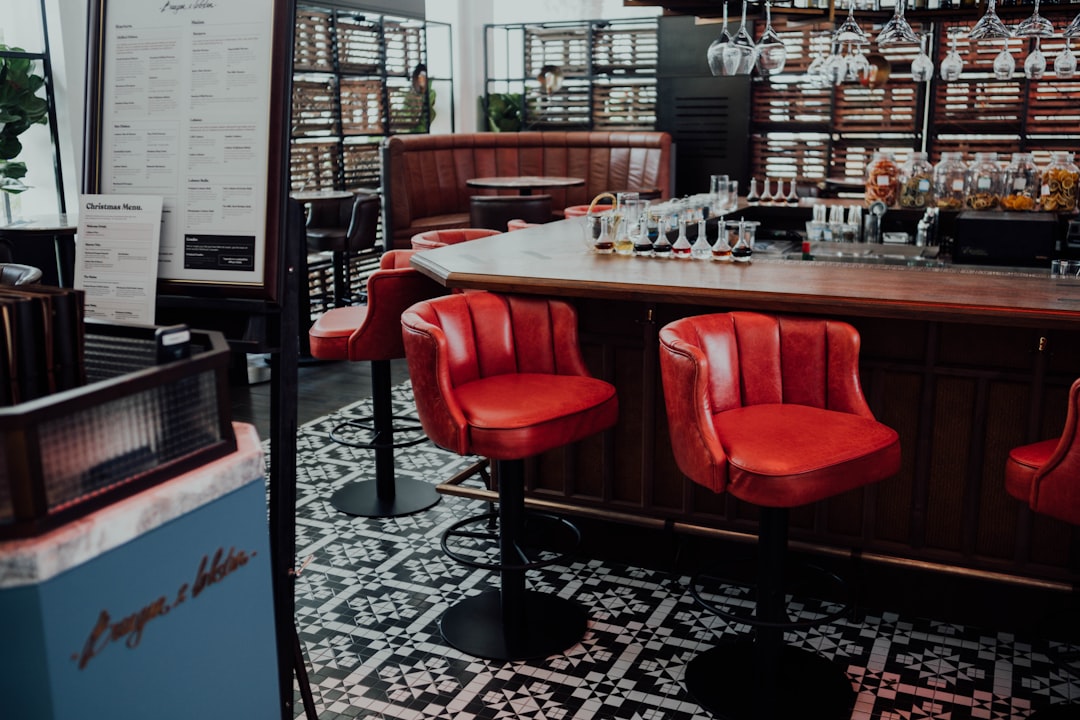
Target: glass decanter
x,y
701,249
661,246
721,249
644,233
742,249
752,196
681,247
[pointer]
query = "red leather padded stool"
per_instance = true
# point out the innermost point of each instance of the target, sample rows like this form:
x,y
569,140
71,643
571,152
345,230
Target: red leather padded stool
x,y
503,377
1046,476
438,238
372,332
770,410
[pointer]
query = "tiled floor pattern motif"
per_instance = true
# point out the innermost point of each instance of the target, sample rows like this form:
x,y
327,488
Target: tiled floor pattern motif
x,y
369,601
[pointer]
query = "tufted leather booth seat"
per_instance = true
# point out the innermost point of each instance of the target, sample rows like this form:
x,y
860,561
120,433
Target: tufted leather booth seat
x,y
438,238
372,332
424,176
770,409
503,377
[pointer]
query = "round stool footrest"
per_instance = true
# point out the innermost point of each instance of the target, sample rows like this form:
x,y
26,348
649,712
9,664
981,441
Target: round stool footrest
x,y
754,621
455,531
364,424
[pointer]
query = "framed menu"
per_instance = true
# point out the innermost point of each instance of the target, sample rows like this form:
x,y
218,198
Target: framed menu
x,y
188,100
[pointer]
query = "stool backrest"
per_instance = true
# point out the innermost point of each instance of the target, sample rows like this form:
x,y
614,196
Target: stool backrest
x,y
438,238
1056,485
19,274
363,223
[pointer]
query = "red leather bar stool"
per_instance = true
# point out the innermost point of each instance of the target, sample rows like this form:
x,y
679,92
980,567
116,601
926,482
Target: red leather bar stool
x,y
770,409
438,238
1046,476
372,333
502,377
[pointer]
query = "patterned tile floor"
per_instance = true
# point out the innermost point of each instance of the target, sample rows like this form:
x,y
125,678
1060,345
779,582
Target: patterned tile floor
x,y
369,601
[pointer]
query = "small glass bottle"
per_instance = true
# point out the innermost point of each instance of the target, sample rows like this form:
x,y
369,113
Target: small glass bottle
x,y
721,249
916,182
1059,181
882,179
742,249
662,246
1020,183
982,188
950,176
701,249
752,197
681,247
646,235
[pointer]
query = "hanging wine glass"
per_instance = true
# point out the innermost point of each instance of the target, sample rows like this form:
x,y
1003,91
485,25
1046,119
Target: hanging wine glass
x,y
745,46
1004,64
989,25
858,65
815,71
1065,62
953,64
849,30
1034,26
715,53
897,30
835,69
922,67
1035,62
771,51
1073,29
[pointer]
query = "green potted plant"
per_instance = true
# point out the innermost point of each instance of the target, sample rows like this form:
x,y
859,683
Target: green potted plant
x,y
504,112
20,107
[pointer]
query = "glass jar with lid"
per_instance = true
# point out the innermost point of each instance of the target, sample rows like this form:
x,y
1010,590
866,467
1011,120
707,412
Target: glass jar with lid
x,y
950,176
1020,183
1059,181
916,181
882,179
983,188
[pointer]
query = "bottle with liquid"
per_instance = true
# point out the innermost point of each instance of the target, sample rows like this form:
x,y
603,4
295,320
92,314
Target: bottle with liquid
x,y
743,248
752,197
646,235
701,249
662,246
721,249
681,247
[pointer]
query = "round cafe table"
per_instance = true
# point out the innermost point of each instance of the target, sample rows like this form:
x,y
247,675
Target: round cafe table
x,y
525,184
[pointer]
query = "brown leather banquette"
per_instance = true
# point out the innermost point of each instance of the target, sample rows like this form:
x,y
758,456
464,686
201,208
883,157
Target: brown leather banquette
x,y
424,175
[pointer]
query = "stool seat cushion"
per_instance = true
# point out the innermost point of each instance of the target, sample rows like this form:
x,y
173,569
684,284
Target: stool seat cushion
x,y
786,455
331,332
1045,475
522,414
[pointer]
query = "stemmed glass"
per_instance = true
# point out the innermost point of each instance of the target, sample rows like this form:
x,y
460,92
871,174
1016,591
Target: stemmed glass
x,y
858,66
1035,62
1004,65
922,67
897,29
953,64
815,71
1073,29
745,46
835,68
771,52
989,25
849,30
1065,62
1035,26
718,49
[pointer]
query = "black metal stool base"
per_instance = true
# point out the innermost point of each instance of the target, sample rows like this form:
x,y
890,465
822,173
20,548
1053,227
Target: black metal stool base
x,y
724,681
552,624
362,498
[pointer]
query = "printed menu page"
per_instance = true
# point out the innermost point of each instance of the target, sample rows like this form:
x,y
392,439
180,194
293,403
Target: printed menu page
x,y
116,258
186,115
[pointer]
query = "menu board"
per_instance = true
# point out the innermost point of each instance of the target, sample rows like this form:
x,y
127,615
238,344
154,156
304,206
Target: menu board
x,y
185,90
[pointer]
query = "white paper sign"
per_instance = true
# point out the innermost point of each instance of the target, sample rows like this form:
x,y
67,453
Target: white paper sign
x,y
185,115
116,258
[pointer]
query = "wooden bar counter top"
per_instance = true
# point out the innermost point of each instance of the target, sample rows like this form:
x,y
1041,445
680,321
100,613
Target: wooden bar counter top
x,y
965,362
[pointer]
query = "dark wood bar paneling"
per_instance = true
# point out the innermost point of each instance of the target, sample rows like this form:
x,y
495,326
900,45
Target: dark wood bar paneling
x,y
964,365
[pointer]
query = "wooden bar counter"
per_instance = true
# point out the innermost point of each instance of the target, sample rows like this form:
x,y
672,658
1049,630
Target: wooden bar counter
x,y
964,362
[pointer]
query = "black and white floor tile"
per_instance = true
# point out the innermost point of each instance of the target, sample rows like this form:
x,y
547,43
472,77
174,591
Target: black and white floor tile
x,y
369,601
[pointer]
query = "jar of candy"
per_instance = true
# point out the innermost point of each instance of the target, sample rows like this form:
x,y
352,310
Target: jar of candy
x,y
1020,183
1059,181
882,179
916,181
983,188
950,175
